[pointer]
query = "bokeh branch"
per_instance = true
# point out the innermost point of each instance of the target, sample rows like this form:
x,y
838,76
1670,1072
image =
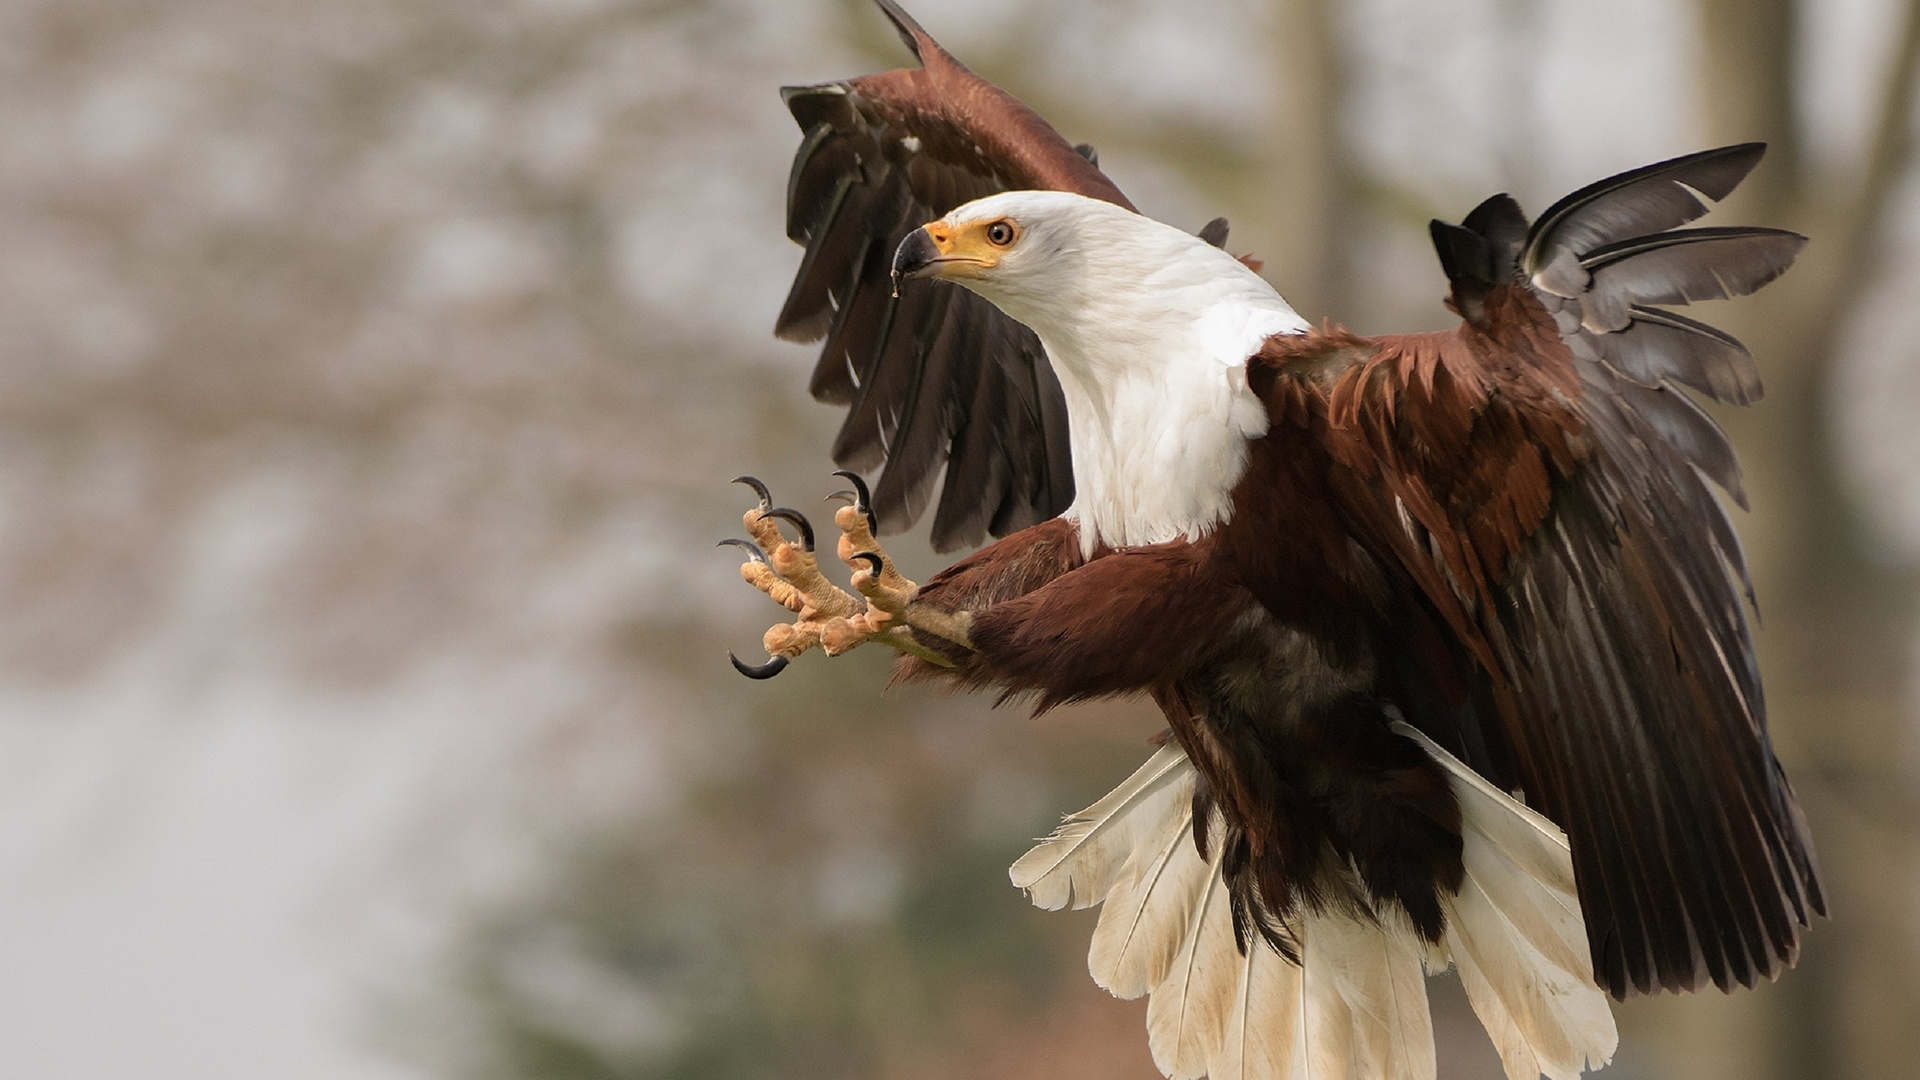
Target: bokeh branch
x,y
1862,223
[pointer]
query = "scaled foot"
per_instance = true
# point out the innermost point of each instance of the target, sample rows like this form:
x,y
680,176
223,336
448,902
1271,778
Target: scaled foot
x,y
828,616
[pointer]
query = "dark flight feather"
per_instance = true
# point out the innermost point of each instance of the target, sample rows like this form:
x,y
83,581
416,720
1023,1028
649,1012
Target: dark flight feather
x,y
1689,432
1682,267
1660,345
1641,202
931,384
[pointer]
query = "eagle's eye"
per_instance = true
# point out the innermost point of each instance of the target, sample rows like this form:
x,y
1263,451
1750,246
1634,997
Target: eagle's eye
x,y
1000,233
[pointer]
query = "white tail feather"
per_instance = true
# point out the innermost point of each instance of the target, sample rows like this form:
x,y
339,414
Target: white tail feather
x,y
1187,1018
1358,1009
1266,1035
1517,937
1366,998
1149,912
1080,862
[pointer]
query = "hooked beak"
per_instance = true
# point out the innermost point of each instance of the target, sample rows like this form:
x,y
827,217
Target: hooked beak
x,y
918,256
938,249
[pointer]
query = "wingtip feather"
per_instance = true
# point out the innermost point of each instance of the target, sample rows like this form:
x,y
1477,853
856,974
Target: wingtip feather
x,y
908,28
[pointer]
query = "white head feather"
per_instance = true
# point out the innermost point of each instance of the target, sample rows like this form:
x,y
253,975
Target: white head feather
x,y
1149,329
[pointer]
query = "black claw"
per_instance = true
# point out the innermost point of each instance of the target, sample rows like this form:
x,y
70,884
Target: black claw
x,y
760,489
862,498
850,498
872,560
859,484
764,671
798,520
752,549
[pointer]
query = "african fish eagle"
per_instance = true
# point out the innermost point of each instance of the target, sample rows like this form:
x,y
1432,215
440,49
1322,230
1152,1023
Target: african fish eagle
x,y
1448,628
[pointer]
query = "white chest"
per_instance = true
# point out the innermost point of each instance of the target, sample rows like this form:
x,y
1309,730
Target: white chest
x,y
1161,416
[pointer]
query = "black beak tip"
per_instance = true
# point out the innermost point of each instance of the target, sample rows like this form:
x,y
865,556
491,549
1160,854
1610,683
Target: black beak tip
x,y
914,255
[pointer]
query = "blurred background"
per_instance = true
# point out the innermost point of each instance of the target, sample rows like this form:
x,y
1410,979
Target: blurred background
x,y
371,374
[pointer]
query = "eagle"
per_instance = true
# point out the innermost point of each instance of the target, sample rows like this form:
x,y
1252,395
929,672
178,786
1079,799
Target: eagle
x,y
1449,629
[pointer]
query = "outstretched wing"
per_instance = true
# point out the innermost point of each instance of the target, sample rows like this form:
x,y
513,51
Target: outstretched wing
x,y
1536,481
934,376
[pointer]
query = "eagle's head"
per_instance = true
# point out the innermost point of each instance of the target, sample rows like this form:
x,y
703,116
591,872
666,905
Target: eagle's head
x,y
1062,263
1012,245
1036,254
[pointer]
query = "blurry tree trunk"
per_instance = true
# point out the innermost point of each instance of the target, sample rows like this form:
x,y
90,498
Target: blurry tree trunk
x,y
1747,76
1834,622
1309,168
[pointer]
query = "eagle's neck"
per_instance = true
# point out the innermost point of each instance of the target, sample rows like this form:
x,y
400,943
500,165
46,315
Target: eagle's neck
x,y
1159,408
1149,329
